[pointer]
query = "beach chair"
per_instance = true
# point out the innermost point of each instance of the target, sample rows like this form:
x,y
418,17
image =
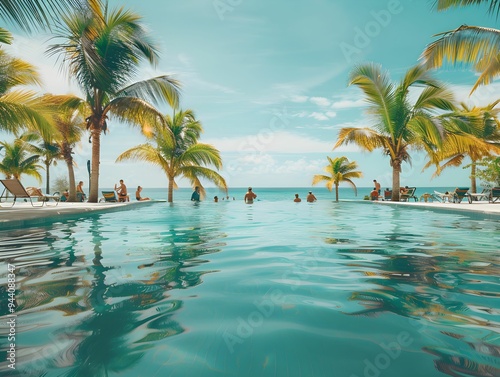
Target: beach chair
x,y
16,188
443,196
461,193
108,196
494,194
483,195
410,194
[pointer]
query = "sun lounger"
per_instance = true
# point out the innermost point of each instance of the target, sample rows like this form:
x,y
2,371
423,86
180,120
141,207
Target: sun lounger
x,y
16,188
460,193
409,194
108,196
443,196
484,195
494,194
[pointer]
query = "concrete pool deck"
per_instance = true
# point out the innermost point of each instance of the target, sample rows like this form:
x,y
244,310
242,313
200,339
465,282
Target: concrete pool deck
x,y
22,214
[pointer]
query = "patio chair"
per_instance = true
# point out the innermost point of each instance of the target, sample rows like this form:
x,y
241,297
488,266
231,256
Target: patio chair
x,y
387,194
483,195
108,196
16,188
494,194
461,193
409,194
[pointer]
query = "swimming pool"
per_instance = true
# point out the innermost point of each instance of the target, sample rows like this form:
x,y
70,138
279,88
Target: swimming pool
x,y
269,289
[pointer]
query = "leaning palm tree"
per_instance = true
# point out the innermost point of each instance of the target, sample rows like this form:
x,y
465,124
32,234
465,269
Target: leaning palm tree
x,y
17,158
476,137
178,153
476,45
339,170
399,124
103,51
49,153
20,108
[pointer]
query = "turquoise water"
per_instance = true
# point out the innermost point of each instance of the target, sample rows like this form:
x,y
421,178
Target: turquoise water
x,y
269,289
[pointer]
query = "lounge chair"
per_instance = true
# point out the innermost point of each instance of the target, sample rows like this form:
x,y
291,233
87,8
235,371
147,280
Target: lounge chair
x,y
494,194
16,188
108,196
443,196
409,194
483,195
461,193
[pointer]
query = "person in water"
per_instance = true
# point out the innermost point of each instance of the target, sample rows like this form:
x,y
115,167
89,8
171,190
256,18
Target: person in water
x,y
250,196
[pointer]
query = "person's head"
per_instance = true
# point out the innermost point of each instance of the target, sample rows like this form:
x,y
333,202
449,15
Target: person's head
x,y
197,188
80,183
296,195
374,180
121,180
249,189
216,198
139,188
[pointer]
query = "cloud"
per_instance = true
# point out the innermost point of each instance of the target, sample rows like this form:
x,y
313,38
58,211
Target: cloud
x,y
272,142
348,104
318,116
299,99
320,101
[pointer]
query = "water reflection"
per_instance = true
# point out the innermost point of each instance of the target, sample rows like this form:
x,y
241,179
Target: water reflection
x,y
103,319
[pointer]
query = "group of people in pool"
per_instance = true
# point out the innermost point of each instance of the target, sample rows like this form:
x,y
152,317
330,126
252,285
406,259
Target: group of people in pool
x,y
250,196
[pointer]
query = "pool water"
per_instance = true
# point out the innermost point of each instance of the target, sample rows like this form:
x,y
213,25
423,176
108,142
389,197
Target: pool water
x,y
269,289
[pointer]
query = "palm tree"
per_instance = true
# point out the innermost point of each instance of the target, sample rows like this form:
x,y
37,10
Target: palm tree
x,y
178,153
103,52
36,14
476,45
17,158
20,109
339,170
477,137
399,124
71,127
49,152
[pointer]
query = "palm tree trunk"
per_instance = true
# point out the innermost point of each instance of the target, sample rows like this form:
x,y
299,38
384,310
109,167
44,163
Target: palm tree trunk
x,y
396,168
473,186
47,183
96,159
71,176
170,190
336,192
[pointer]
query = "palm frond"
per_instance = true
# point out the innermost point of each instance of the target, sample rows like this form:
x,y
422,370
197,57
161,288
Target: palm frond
x,y
365,138
163,88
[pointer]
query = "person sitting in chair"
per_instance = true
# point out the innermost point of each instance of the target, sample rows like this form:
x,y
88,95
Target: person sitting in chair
x,y
122,192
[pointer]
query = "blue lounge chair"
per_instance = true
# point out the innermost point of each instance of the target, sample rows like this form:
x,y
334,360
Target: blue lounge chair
x,y
494,194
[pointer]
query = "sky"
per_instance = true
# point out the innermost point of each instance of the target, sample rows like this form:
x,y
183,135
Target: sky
x,y
269,82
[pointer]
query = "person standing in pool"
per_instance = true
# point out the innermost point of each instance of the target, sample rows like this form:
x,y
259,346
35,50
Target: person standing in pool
x,y
250,196
297,199
195,197
310,197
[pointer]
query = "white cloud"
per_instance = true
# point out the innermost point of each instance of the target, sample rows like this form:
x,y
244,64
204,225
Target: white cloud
x,y
268,142
331,114
318,116
299,99
348,104
320,101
